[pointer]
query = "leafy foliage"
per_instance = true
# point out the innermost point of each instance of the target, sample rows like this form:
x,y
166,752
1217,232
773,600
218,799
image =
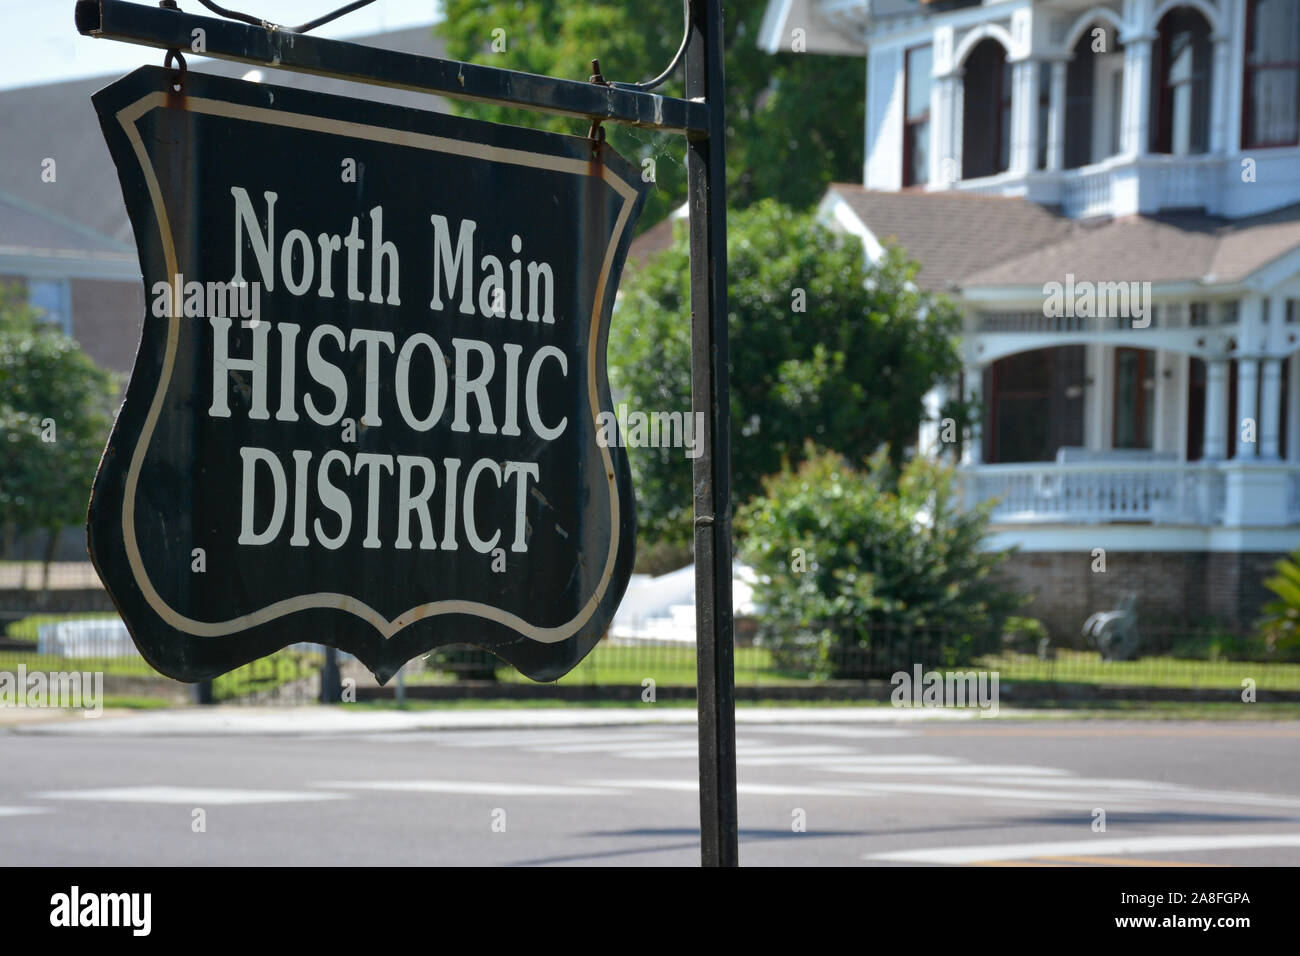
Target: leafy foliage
x,y
844,557
849,372
55,415
1281,623
794,121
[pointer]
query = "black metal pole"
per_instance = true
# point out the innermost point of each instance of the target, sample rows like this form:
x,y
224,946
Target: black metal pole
x,y
707,187
331,684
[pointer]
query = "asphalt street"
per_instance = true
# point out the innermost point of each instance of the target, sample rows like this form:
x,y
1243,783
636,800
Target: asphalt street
x,y
981,792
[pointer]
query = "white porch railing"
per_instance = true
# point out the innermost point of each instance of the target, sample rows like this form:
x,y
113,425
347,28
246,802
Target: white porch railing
x,y
1087,192
1098,492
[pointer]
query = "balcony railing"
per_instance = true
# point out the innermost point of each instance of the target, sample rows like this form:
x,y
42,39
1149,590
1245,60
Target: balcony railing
x,y
1120,185
1087,192
1099,492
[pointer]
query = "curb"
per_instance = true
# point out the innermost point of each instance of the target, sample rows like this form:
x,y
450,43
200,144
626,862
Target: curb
x,y
324,722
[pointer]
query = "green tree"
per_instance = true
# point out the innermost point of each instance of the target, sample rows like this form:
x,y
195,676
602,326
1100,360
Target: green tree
x,y
824,346
1281,623
859,572
794,121
55,415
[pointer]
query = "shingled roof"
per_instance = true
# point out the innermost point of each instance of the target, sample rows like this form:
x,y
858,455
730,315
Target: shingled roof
x,y
29,230
964,241
953,234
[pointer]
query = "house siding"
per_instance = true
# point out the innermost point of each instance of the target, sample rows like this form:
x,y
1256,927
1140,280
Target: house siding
x,y
106,320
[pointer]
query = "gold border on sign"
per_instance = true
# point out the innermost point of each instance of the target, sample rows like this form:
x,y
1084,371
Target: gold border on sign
x,y
128,116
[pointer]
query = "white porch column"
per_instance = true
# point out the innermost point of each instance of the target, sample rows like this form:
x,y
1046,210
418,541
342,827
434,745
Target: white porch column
x,y
1137,100
1293,410
1270,400
1024,116
972,452
1247,385
956,119
1219,95
942,102
1056,117
1216,410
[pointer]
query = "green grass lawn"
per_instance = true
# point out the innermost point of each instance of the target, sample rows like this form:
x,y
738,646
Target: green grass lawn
x,y
27,628
617,664
125,666
1087,667
674,666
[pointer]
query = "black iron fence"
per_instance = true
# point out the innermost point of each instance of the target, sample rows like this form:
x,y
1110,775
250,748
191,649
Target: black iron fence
x,y
67,624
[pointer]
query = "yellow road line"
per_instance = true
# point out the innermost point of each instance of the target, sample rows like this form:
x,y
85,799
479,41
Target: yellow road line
x,y
1012,863
1122,861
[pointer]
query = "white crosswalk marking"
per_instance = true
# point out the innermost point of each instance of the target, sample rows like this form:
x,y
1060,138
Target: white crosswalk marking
x,y
830,730
762,789
530,740
988,771
21,811
783,754
844,752
485,788
191,796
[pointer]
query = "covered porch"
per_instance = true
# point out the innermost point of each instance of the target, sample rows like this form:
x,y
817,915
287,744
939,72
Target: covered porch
x,y
1189,415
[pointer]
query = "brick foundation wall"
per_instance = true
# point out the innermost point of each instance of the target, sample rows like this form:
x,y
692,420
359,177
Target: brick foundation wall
x,y
1173,588
106,319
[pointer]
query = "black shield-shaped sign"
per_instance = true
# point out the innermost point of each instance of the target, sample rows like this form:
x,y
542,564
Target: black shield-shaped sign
x,y
370,401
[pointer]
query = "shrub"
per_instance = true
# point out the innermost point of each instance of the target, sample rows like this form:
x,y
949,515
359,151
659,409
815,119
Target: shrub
x,y
1023,635
1281,623
850,561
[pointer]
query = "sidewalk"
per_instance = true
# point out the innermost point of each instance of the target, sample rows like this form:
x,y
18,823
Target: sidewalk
x,y
328,721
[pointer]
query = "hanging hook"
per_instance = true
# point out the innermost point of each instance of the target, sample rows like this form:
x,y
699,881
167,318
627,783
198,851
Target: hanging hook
x,y
597,132
178,75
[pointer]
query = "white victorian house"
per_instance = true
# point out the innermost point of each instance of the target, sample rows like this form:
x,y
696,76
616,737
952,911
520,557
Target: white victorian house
x,y
1111,192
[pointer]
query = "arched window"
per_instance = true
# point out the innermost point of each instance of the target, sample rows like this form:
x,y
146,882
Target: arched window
x,y
1094,97
1180,84
1271,108
1034,404
986,106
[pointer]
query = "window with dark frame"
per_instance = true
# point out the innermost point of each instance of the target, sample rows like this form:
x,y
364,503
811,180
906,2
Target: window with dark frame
x,y
986,111
1134,398
1270,113
1079,75
916,116
1044,113
1181,84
